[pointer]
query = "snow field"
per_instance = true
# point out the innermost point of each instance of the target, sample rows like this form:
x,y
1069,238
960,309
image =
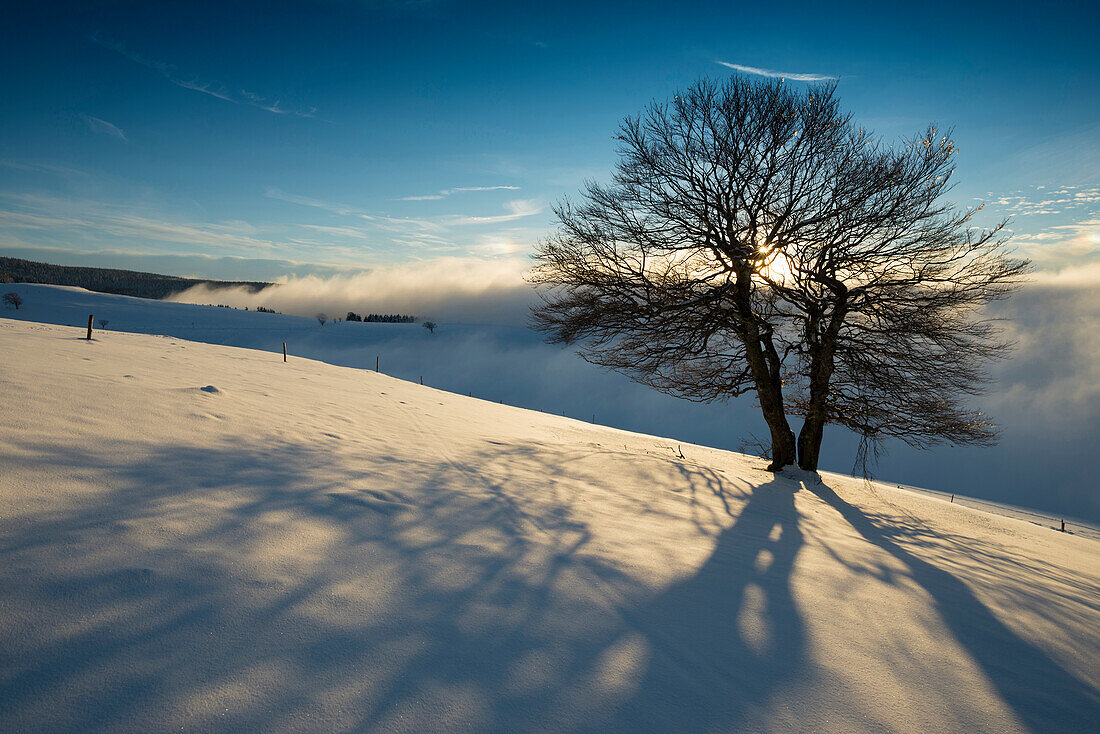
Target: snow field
x,y
309,547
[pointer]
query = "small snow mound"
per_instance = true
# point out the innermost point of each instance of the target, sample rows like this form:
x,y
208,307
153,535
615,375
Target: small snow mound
x,y
210,389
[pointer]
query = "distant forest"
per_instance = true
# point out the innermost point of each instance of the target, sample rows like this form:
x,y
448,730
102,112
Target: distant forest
x,y
107,280
382,318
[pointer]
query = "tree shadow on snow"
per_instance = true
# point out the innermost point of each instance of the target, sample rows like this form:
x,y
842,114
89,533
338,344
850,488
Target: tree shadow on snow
x,y
1040,692
255,586
277,585
727,638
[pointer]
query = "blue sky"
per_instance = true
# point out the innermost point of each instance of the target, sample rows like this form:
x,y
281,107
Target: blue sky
x,y
249,141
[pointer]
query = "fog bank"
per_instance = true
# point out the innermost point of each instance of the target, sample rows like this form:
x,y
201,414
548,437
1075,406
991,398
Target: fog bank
x,y
449,290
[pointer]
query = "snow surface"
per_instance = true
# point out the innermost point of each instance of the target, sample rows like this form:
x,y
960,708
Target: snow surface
x,y
308,547
1062,524
500,363
511,364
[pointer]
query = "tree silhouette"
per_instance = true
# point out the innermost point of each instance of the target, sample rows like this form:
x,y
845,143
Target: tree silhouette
x,y
753,239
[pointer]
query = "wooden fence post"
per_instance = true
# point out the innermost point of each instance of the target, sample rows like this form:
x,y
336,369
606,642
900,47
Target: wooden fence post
x,y
284,351
376,363
89,337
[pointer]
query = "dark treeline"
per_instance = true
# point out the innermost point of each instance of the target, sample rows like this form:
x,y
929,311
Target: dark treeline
x,y
388,318
107,280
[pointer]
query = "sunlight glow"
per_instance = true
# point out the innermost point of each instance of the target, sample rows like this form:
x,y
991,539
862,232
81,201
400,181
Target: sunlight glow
x,y
777,267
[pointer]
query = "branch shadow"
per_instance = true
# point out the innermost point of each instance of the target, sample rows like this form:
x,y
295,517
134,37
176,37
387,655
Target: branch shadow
x,y
260,585
268,584
725,639
1042,694
265,584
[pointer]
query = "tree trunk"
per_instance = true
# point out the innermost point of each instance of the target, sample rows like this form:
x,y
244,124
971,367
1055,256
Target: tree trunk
x,y
769,390
809,443
783,445
813,428
822,363
765,364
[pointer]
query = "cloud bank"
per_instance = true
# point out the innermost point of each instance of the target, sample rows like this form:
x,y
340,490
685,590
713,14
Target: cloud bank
x,y
449,290
1046,401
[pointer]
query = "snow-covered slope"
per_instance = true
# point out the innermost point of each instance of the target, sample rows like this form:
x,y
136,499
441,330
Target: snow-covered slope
x,y
201,537
511,364
499,363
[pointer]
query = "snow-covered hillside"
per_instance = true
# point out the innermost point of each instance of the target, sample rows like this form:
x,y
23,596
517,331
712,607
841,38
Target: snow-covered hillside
x,y
202,537
498,363
511,364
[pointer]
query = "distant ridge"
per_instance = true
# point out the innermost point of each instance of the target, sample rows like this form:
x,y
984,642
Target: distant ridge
x,y
108,280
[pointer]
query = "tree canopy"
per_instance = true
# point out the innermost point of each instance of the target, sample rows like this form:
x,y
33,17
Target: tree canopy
x,y
754,239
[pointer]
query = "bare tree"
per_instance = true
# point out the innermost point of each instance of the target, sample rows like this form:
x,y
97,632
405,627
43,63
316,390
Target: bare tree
x,y
321,318
430,326
711,266
13,299
103,323
888,300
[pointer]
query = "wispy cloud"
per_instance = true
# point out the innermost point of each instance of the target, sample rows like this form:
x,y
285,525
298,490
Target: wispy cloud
x,y
67,220
213,89
1040,200
444,193
102,127
795,76
1058,227
64,172
204,88
518,209
439,234
505,242
346,232
1065,245
191,264
338,233
276,107
280,195
423,227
